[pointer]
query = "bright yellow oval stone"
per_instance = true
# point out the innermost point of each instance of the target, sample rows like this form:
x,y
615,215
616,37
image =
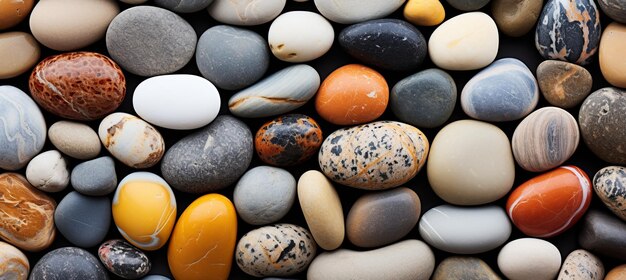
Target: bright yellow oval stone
x,y
203,242
424,12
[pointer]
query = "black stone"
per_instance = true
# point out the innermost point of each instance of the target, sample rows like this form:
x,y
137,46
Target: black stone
x,y
68,263
603,234
615,9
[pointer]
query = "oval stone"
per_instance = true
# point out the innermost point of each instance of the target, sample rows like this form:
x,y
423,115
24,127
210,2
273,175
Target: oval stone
x,y
277,250
203,241
123,259
12,13
300,36
281,92
551,203
354,11
178,101
390,44
617,273
529,258
382,218
288,140
15,265
95,177
69,263
612,46
19,51
464,268
245,12
83,220
48,172
405,260
424,12
581,264
563,84
75,139
604,234
144,210
515,18
184,6
609,184
615,9
568,30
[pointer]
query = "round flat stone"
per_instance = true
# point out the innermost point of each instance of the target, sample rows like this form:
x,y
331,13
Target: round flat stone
x,y
83,220
529,258
19,51
69,263
609,184
563,84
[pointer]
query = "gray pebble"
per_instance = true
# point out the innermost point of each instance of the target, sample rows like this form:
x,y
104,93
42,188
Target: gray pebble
x,y
68,263
95,177
467,5
83,220
604,234
184,6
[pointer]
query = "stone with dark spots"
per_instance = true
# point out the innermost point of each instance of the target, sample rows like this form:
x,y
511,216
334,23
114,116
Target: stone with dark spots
x,y
123,259
288,140
68,263
464,268
609,183
602,118
581,264
603,234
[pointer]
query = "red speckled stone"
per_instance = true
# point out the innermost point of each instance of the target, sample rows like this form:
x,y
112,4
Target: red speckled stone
x,y
78,85
288,140
550,203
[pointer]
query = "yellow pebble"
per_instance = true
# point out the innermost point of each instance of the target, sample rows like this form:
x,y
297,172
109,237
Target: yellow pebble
x,y
424,12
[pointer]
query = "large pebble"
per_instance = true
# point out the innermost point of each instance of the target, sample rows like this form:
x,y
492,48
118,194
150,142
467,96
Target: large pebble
x,y
464,268
604,234
211,158
150,41
408,259
123,259
516,17
382,218
471,163
22,128
504,91
14,264
288,140
390,44
602,118
95,177
609,184
232,57
264,195
281,92
75,139
529,258
568,30
69,263
581,264
611,47
617,273
563,84
466,42
48,172
179,101
424,12
277,250
615,9
184,6
354,11
453,229
83,220
19,51
300,36
13,12
245,12
131,140
203,242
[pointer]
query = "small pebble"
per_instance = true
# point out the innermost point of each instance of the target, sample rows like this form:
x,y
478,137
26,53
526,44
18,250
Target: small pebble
x,y
124,260
609,184
300,36
75,139
581,264
424,12
467,5
69,263
19,51
615,9
288,140
229,12
184,6
48,172
95,177
15,265
529,258
563,84
83,220
12,13
464,268
617,273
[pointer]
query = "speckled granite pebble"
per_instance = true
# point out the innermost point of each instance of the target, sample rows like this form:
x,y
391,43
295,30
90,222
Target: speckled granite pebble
x,y
95,177
83,220
581,264
563,84
464,268
602,119
123,259
68,263
609,184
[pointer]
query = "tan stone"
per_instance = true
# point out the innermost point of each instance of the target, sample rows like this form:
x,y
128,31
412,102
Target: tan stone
x,y
563,84
19,51
612,52
516,17
617,273
13,263
75,139
13,12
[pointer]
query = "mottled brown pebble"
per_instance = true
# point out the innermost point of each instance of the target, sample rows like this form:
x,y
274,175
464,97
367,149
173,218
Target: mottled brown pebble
x,y
464,268
563,84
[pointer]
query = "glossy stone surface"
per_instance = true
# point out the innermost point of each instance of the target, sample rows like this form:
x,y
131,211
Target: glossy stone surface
x,y
611,47
19,51
529,258
124,260
515,18
184,6
563,84
390,44
75,139
26,214
80,85
464,268
568,30
204,239
48,172
615,9
609,184
69,263
144,210
13,12
211,158
424,12
581,264
604,234
617,273
13,263
300,36
95,177
288,140
354,11
277,250
83,220
245,12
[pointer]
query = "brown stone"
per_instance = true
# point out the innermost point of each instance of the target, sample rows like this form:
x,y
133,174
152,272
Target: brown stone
x,y
19,51
612,52
13,12
516,17
464,268
617,273
563,84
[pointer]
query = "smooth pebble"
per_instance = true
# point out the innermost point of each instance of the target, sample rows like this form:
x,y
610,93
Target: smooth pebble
x,y
48,172
245,12
354,11
19,51
604,234
467,5
529,258
615,9
288,140
12,13
83,220
15,265
515,18
68,263
123,259
609,184
563,84
300,36
580,264
75,139
459,267
184,6
612,47
95,177
424,12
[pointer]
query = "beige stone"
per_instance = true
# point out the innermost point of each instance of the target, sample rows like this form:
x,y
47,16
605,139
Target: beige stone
x,y
516,17
581,264
19,52
75,139
612,52
13,263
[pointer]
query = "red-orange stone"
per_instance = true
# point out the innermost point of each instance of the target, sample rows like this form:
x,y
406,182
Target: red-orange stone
x,y
288,140
550,203
79,85
352,94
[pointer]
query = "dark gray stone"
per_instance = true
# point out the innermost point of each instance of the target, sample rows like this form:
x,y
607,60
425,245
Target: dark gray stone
x,y
95,177
68,263
184,6
390,44
615,9
83,220
150,41
211,158
603,234
467,5
232,57
425,99
602,119
123,259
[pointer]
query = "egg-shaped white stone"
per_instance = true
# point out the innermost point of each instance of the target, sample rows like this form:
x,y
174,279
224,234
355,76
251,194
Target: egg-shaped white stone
x,y
300,36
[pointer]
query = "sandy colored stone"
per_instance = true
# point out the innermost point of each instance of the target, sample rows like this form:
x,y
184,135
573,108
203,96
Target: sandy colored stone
x,y
424,12
617,273
529,258
563,84
516,17
464,268
13,263
581,264
13,12
75,139
19,51
612,52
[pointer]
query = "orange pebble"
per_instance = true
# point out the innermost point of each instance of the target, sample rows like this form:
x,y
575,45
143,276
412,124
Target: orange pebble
x,y
617,273
13,12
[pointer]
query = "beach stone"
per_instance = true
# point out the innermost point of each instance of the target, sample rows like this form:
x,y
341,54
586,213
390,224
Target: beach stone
x,y
22,128
300,36
425,99
184,6
123,259
390,44
609,184
75,139
150,41
516,18
529,258
279,93
601,119
464,268
408,259
504,91
545,139
471,163
276,250
48,172
352,94
245,12
568,30
603,234
83,220
232,57
452,228
354,11
581,264
424,12
326,223
211,158
155,277
134,2
465,42
563,84
264,195
95,177
617,273
373,219
13,12
68,263
467,5
615,9
19,51
612,46
13,263
288,140
27,214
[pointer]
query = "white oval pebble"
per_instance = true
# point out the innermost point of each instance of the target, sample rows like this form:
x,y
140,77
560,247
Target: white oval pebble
x,y
246,12
529,258
48,172
300,36
353,11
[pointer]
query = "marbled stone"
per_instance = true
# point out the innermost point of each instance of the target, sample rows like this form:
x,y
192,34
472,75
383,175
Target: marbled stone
x,y
617,273
264,195
464,268
611,48
424,12
603,234
150,41
79,85
279,93
75,139
425,99
581,264
288,140
615,9
382,218
184,6
300,36
48,172
211,158
568,30
95,177
19,51
277,250
515,18
504,91
563,84
68,263
390,44
609,184
467,5
13,263
83,220
245,12
123,259
13,12
354,11
529,258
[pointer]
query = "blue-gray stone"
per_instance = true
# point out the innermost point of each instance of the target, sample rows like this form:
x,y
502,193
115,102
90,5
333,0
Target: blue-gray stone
x,y
467,5
425,99
504,91
184,6
68,263
390,44
83,220
22,128
231,57
95,177
615,9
